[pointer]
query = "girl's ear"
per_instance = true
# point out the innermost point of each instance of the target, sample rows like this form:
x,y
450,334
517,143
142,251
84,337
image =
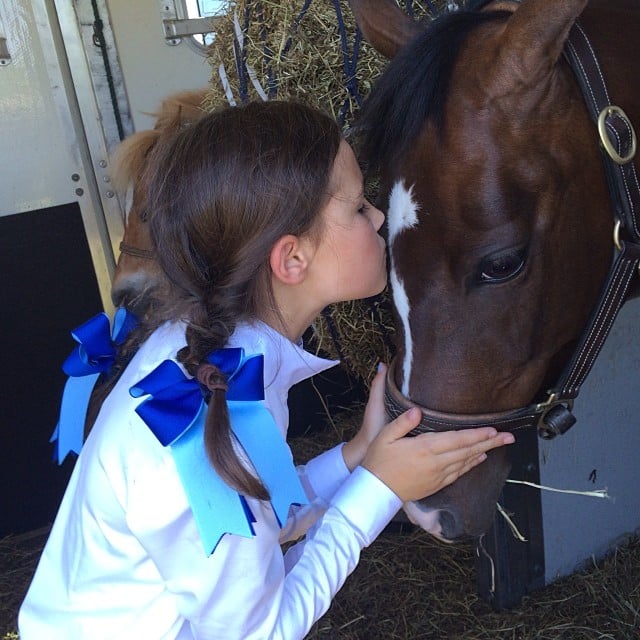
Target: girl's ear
x,y
289,259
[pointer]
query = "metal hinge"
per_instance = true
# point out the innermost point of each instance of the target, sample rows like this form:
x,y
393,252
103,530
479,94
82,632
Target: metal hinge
x,y
175,29
177,26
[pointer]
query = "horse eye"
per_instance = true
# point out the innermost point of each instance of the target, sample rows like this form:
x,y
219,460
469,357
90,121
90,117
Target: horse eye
x,y
502,267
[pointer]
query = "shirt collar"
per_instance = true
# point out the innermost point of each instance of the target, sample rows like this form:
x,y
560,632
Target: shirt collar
x,y
285,363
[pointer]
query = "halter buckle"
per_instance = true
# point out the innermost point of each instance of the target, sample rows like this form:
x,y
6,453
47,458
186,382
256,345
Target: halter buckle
x,y
556,417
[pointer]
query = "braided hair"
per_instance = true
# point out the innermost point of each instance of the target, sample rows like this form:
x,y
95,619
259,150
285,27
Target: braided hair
x,y
222,192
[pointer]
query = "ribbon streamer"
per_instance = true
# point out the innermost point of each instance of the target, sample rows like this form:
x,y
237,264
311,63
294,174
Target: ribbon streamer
x,y
175,412
94,355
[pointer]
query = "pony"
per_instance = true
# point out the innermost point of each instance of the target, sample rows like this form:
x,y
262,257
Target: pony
x,y
499,216
138,279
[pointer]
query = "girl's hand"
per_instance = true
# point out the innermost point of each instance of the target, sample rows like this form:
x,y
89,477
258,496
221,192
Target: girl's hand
x,y
416,467
374,420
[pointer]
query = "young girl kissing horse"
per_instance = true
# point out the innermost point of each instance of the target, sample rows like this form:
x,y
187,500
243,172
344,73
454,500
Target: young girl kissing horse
x,y
185,488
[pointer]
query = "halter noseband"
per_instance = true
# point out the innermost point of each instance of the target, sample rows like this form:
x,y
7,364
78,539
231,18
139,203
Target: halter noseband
x,y
553,416
130,250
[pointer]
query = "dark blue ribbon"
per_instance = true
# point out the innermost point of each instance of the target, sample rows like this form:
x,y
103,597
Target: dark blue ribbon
x,y
175,413
176,399
94,355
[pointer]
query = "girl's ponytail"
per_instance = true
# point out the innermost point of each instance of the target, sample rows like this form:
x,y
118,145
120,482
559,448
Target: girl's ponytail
x,y
218,441
217,436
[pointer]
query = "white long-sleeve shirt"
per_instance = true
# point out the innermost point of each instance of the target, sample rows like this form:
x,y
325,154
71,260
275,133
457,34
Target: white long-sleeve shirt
x,y
124,559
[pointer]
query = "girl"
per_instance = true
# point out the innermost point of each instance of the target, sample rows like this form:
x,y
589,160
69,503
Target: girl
x,y
259,221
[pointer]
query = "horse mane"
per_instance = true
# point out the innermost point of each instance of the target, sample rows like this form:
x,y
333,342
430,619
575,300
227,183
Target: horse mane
x,y
414,86
176,112
188,105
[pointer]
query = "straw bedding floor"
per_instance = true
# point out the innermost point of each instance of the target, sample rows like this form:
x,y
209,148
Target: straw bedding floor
x,y
408,586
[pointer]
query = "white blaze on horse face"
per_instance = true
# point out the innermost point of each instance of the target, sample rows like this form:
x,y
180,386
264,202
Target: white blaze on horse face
x,y
128,203
402,215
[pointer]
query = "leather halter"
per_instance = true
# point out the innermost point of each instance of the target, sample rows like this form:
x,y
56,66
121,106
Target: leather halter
x,y
553,416
130,250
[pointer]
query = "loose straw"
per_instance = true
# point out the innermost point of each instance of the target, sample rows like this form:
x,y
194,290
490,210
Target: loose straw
x,y
597,493
511,523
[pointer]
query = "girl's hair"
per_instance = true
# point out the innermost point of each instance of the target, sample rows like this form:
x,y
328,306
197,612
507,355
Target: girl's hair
x,y
221,193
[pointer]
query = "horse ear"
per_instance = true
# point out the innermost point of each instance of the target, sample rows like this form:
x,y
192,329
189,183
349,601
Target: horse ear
x,y
534,37
129,158
384,25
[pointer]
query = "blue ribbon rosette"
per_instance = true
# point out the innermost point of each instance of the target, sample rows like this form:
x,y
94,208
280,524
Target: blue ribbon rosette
x,y
94,355
175,413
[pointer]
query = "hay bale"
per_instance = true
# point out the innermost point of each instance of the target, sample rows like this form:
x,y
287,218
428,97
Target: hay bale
x,y
295,52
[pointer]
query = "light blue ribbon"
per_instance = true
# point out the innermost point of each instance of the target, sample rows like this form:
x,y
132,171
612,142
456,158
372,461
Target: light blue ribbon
x,y
175,412
94,355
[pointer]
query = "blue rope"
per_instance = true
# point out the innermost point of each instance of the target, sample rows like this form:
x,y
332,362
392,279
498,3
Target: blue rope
x,y
433,10
294,28
350,63
241,56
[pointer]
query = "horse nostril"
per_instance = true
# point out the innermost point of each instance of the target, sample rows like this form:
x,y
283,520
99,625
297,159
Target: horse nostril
x,y
451,527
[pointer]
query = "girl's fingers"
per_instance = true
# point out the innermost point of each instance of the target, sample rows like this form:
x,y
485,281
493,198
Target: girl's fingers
x,y
468,441
374,412
420,466
471,462
404,423
459,461
377,384
453,471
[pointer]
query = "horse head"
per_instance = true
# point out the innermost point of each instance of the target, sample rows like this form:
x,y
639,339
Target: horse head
x,y
499,222
138,279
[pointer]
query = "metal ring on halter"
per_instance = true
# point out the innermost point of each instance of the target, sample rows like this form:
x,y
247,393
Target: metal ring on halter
x,y
616,235
604,138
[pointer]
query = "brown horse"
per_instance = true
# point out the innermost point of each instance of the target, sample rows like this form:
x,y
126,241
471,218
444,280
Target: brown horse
x,y
138,277
499,216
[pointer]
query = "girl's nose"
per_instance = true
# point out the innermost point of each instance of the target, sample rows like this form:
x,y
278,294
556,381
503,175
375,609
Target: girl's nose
x,y
376,216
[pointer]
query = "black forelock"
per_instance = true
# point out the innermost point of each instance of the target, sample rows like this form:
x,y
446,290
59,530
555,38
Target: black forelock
x,y
414,86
